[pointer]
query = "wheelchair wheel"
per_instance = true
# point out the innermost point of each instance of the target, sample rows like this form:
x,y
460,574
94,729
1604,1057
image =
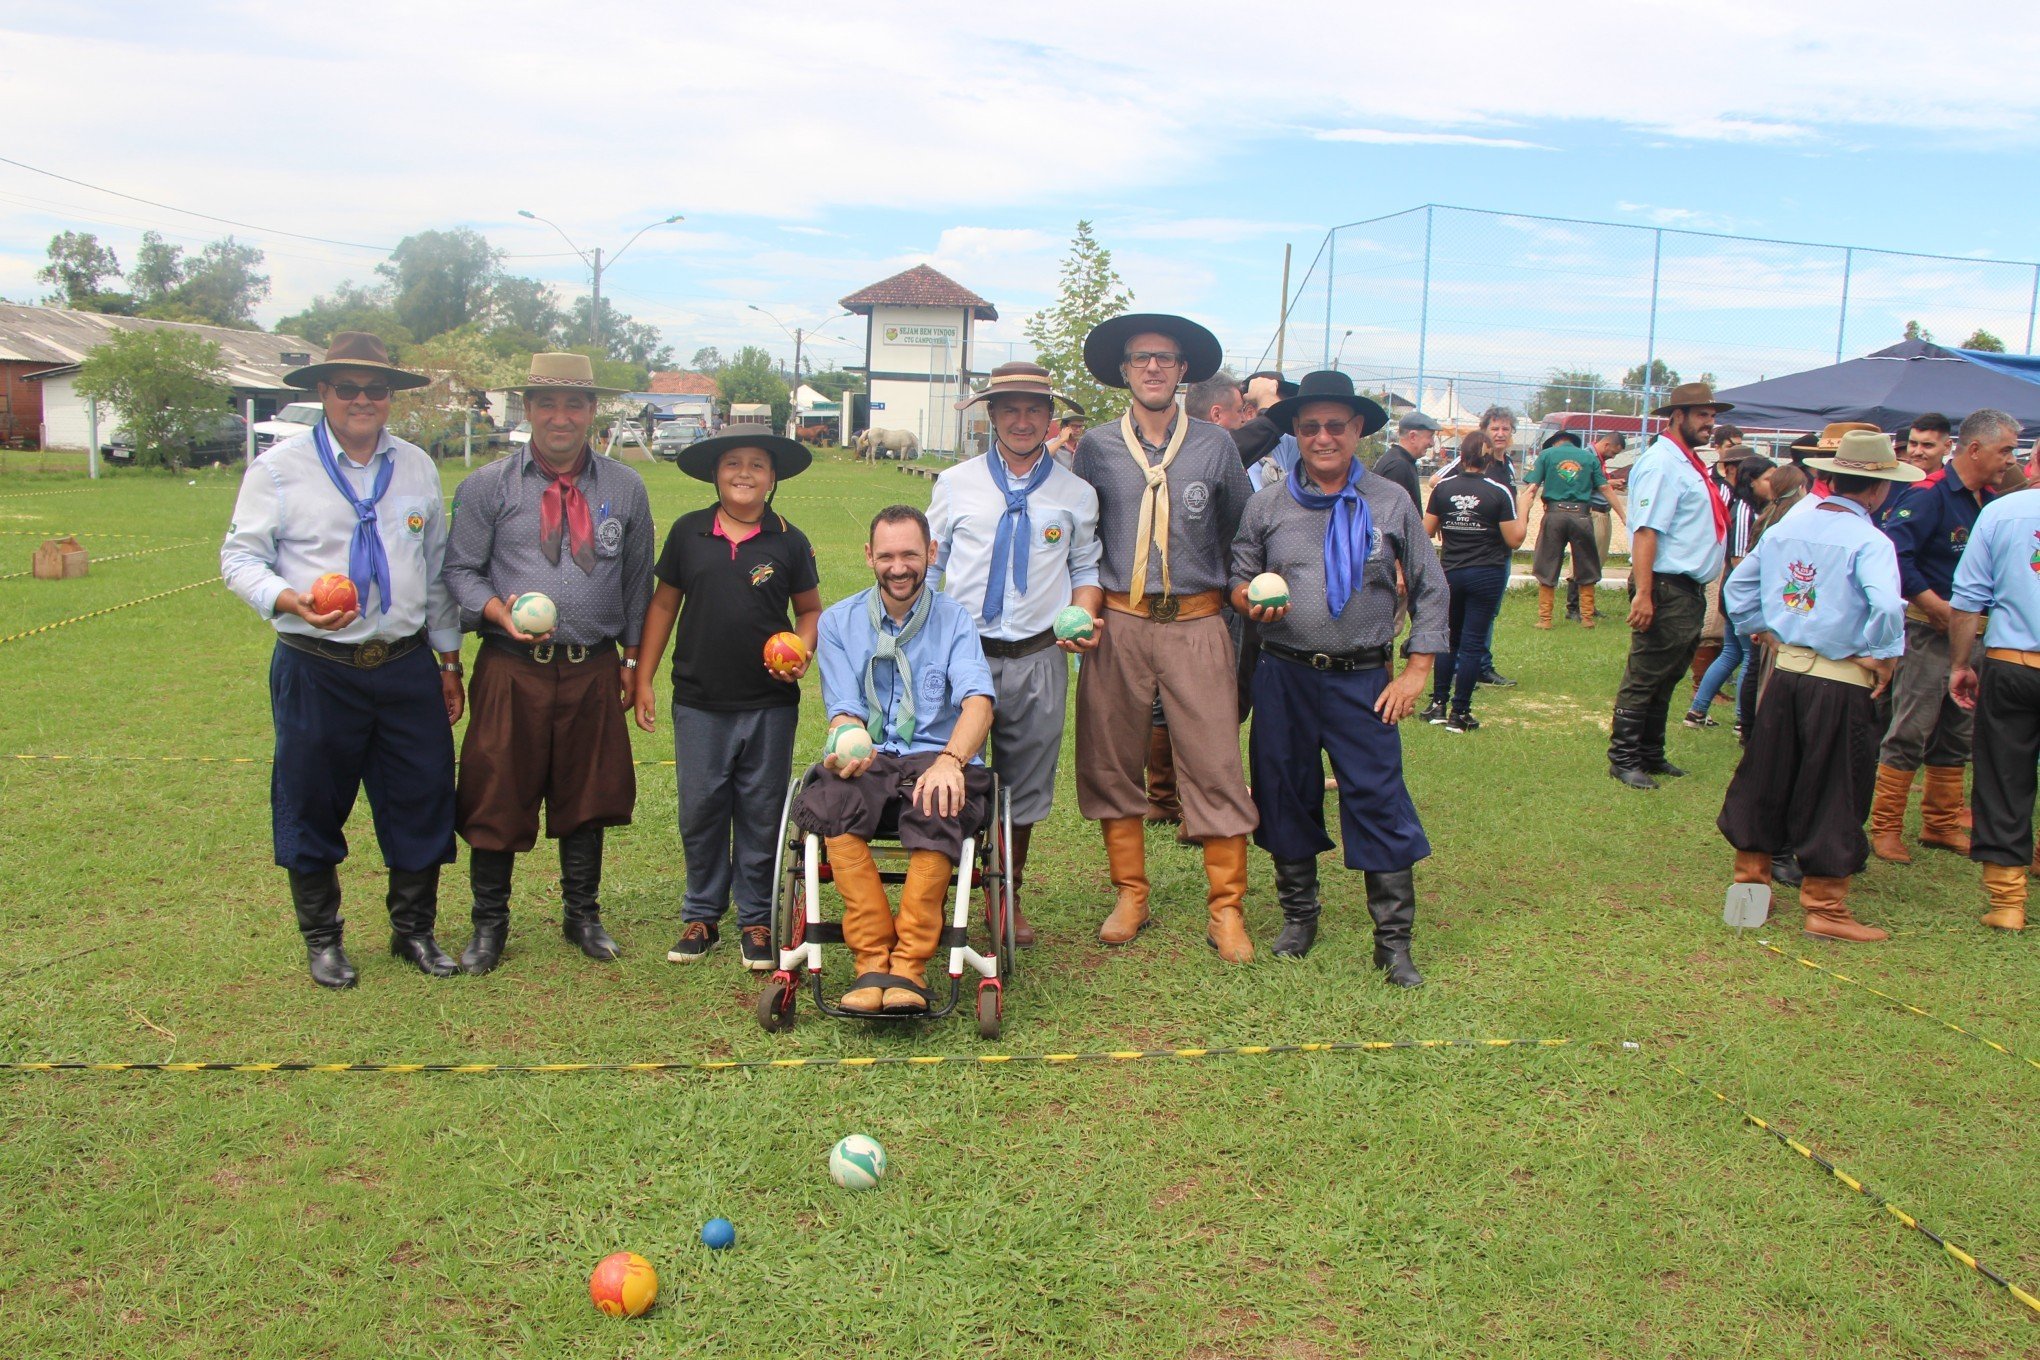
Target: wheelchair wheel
x,y
775,1006
990,1004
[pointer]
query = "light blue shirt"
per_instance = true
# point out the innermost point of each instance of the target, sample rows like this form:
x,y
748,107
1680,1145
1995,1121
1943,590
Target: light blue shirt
x,y
1270,470
1062,515
292,526
2000,572
1826,580
1667,494
947,660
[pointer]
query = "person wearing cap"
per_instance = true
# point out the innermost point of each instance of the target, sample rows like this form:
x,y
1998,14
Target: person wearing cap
x,y
1566,477
1068,432
1171,489
731,575
1416,434
1015,543
357,699
549,727
1338,534
1677,527
1824,586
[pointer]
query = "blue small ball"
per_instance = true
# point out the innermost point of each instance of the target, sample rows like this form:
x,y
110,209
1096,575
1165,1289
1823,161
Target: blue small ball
x,y
718,1233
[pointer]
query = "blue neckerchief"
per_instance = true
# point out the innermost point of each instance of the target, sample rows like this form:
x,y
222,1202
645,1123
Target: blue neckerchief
x,y
1349,530
367,560
1014,518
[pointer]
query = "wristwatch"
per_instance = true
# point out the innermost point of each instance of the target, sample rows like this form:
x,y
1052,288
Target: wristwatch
x,y
452,668
630,663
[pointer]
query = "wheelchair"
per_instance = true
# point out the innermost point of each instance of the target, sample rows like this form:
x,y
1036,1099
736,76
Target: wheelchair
x,y
801,867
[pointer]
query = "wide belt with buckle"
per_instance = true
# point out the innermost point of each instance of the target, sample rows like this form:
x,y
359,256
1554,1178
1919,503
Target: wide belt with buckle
x,y
1027,646
1165,608
2030,660
362,655
547,653
1363,659
1806,661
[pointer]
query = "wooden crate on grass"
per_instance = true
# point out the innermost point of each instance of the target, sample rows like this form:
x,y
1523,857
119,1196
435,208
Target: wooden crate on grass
x,y
59,559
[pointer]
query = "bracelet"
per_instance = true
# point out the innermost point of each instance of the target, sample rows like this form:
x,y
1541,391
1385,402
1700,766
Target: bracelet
x,y
961,763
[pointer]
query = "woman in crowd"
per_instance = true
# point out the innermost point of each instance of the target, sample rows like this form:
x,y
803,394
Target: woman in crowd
x,y
1746,502
1475,517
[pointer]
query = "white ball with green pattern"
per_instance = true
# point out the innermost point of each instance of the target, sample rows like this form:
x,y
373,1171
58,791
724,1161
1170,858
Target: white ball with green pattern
x,y
848,742
1074,624
857,1162
534,614
1268,591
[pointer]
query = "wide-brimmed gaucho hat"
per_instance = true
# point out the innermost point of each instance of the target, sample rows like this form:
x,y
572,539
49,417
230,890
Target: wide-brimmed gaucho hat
x,y
789,457
1688,396
1105,346
354,349
1865,453
1018,379
568,372
1328,385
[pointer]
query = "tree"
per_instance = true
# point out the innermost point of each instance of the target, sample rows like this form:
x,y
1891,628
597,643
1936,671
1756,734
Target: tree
x,y
1091,291
525,306
441,280
753,376
708,359
832,382
622,338
1985,341
461,364
78,266
1570,390
224,284
166,384
158,271
1915,331
350,307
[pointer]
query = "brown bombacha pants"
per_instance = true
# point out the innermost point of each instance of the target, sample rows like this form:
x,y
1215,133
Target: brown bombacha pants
x,y
550,734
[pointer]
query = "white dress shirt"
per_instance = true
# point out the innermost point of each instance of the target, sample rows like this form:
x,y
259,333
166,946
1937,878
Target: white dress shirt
x,y
1064,549
292,526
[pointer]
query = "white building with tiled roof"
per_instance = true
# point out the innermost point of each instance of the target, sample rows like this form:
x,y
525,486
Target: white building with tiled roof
x,y
917,353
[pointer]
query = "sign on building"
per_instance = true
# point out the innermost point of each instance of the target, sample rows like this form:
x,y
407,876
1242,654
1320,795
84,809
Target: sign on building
x,y
949,336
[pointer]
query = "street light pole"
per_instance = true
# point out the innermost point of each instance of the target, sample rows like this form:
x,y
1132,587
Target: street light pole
x,y
595,265
799,334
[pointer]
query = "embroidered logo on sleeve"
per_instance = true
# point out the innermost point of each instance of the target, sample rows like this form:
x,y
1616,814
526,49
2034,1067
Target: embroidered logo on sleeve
x,y
2035,563
1799,586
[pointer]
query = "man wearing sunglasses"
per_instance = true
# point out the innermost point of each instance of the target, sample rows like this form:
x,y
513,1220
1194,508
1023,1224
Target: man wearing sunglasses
x,y
1170,493
357,699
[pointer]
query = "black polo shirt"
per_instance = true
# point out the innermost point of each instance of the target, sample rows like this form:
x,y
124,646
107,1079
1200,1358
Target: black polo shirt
x,y
734,600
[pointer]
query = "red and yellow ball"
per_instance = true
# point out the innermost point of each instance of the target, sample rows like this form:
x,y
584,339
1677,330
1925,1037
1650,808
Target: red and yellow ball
x,y
785,654
624,1284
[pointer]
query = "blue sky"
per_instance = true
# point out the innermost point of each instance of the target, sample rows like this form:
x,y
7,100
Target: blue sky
x,y
815,150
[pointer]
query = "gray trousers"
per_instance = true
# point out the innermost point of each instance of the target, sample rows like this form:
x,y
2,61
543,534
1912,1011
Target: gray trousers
x,y
733,770
1033,694
1927,727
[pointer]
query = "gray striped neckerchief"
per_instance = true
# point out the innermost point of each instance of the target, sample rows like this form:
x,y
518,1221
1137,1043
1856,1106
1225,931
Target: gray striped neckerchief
x,y
893,647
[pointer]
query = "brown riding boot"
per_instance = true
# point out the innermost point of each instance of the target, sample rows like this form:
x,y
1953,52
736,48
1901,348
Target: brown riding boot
x,y
924,898
2006,884
1163,804
1546,597
1827,912
1887,815
1586,606
1225,877
1941,810
1703,657
867,919
1752,866
1126,860
1023,933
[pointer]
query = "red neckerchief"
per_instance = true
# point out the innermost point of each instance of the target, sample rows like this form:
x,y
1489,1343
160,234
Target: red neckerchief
x,y
563,505
1707,485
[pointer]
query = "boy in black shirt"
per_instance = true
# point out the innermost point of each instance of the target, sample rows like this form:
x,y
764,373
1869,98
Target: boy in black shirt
x,y
730,573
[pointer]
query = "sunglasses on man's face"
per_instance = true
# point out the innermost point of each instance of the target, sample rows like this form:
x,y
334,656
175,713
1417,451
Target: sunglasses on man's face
x,y
347,391
1310,429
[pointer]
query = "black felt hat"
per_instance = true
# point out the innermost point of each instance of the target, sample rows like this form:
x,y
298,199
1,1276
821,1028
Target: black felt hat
x,y
1105,346
789,457
1328,384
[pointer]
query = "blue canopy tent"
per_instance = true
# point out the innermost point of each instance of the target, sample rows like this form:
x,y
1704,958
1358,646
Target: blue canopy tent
x,y
1891,386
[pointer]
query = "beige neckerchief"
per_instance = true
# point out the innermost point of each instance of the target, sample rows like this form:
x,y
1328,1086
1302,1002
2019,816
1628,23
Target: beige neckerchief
x,y
1153,529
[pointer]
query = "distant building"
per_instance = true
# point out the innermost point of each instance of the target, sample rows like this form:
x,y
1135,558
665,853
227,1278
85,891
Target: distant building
x,y
917,353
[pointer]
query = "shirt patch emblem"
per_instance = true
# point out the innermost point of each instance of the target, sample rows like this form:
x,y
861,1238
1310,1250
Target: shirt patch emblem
x,y
761,573
415,523
2036,552
1569,468
934,685
1799,592
1196,497
1904,514
1052,534
609,536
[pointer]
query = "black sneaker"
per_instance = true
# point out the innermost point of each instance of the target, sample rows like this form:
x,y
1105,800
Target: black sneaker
x,y
696,939
759,955
1491,676
1435,714
1462,721
1699,721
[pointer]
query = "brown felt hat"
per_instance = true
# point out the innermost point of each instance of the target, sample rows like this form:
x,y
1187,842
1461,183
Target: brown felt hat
x,y
1020,379
354,349
1689,395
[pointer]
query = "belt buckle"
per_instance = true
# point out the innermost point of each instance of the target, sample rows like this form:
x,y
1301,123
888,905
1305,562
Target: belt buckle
x,y
371,654
1163,608
1320,661
542,653
576,653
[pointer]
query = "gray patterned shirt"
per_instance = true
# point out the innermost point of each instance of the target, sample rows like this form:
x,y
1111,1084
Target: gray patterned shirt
x,y
1207,491
1278,535
493,550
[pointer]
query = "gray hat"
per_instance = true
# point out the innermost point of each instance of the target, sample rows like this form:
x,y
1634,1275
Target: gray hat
x,y
1415,420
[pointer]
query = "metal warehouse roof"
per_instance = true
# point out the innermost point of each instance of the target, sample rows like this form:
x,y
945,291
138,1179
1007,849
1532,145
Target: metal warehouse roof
x,y
253,360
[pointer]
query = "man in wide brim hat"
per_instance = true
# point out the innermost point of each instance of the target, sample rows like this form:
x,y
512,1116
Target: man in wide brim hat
x,y
789,457
1692,396
357,350
1105,346
1328,385
1021,379
1867,453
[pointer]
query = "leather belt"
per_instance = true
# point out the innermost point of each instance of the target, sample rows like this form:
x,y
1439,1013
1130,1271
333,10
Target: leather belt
x,y
1550,504
1362,659
2030,660
1692,585
361,655
547,653
1806,661
1165,608
1018,647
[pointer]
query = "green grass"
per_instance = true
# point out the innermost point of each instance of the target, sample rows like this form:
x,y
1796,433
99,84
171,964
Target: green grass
x,y
1577,1201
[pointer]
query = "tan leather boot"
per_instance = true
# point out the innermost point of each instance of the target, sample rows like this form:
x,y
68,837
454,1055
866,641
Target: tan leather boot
x,y
1887,815
1941,810
867,918
2006,884
923,898
1752,866
1545,599
1827,912
1126,860
1225,877
1703,657
1586,606
1163,804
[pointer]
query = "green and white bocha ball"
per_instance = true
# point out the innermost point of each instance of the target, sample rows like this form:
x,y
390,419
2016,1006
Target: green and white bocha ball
x,y
1074,624
848,742
857,1162
1268,590
534,614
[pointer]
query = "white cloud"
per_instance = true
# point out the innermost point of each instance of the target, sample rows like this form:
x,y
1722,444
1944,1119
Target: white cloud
x,y
1388,137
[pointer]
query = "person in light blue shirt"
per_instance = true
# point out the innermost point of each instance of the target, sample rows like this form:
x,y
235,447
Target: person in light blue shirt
x,y
1999,575
1822,587
901,662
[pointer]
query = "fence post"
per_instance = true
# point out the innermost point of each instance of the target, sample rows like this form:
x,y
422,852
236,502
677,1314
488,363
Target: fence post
x,y
1331,278
1842,326
1657,254
1424,310
92,438
2032,307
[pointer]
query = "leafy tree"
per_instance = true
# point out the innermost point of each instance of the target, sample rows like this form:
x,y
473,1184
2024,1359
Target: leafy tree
x,y
832,382
77,269
1915,331
708,359
753,376
1985,341
1091,291
609,372
350,307
159,269
224,283
1570,390
462,364
167,386
441,280
622,338
525,307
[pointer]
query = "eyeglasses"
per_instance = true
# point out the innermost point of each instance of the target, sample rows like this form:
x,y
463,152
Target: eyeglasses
x,y
1153,358
1310,429
347,391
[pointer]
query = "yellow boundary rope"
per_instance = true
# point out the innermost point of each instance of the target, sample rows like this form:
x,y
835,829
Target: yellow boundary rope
x,y
110,609
118,557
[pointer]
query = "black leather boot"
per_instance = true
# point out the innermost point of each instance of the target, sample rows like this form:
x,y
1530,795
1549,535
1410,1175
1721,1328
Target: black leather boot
x,y
489,878
316,896
1296,888
1392,902
1654,761
414,909
1625,749
581,886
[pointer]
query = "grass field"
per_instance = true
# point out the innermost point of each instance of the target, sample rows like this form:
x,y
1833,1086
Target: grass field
x,y
1582,1200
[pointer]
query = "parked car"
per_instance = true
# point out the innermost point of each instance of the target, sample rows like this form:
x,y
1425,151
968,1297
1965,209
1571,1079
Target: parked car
x,y
292,420
676,434
224,439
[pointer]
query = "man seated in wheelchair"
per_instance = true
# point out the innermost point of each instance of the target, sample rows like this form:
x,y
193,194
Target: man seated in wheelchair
x,y
904,662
